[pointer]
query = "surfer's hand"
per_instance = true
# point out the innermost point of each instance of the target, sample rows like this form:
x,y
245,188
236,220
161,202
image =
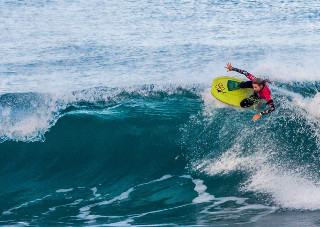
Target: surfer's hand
x,y
229,66
256,117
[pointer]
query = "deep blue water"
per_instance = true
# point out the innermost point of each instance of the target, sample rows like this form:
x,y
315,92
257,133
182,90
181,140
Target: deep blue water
x,y
106,115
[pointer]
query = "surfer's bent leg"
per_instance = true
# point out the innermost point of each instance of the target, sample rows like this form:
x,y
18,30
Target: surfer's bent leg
x,y
247,102
246,84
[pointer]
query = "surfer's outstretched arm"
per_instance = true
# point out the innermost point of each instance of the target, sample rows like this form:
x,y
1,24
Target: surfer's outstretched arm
x,y
270,109
248,75
244,72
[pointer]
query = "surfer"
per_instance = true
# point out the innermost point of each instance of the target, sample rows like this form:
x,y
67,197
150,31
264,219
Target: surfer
x,y
260,91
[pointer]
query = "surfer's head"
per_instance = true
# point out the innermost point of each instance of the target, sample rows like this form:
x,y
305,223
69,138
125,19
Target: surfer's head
x,y
258,84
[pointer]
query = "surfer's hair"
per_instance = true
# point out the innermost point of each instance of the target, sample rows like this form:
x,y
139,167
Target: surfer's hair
x,y
260,81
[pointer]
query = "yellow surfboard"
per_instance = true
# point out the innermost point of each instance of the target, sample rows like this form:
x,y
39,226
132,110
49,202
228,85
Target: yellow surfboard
x,y
226,89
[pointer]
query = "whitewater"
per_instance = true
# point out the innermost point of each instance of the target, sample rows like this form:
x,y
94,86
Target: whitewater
x,y
106,115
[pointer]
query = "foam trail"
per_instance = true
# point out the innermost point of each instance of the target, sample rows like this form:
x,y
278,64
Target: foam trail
x,y
289,189
95,194
210,101
64,190
310,105
203,196
200,188
24,205
85,211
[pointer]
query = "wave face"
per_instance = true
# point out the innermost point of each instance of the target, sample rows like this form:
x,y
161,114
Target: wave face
x,y
106,116
150,155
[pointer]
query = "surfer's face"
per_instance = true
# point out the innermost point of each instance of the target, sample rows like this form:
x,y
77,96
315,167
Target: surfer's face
x,y
257,87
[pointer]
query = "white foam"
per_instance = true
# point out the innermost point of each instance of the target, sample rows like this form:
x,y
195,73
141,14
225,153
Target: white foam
x,y
237,200
295,70
212,105
262,209
221,200
8,212
29,120
212,102
200,188
23,223
157,211
122,196
85,211
76,202
303,108
64,190
165,177
227,162
94,191
86,215
120,223
289,189
310,105
52,209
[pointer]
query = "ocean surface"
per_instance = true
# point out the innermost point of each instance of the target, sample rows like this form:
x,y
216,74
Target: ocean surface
x,y
106,115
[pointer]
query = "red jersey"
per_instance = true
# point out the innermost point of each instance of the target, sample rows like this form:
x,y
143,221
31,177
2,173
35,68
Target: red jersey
x,y
265,93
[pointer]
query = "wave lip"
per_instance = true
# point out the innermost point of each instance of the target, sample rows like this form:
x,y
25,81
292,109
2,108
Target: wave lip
x,y
27,117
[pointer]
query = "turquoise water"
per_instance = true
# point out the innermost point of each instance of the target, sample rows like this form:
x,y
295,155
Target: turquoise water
x,y
107,117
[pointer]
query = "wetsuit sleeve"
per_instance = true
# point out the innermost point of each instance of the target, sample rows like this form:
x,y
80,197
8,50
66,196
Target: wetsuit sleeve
x,y
270,109
248,75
